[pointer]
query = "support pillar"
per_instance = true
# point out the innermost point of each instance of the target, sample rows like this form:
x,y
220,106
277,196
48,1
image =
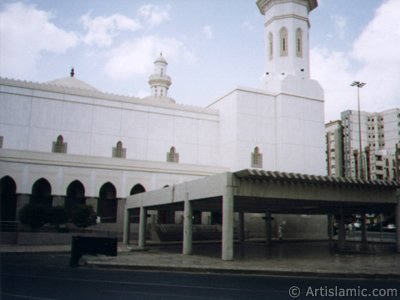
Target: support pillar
x,y
363,228
142,227
330,226
342,230
93,202
187,226
268,228
58,201
227,222
241,227
398,222
127,227
22,200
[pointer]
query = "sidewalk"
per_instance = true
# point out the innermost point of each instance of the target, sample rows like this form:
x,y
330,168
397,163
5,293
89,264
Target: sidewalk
x,y
290,259
34,248
286,259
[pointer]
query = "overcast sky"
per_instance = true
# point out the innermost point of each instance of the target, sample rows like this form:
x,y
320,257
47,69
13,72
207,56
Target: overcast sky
x,y
211,47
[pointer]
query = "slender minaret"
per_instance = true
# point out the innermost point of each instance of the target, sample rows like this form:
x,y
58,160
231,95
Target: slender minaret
x,y
286,29
159,81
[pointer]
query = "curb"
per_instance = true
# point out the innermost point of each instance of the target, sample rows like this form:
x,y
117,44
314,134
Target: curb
x,y
253,272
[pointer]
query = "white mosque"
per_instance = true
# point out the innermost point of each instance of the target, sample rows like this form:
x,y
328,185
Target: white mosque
x,y
64,142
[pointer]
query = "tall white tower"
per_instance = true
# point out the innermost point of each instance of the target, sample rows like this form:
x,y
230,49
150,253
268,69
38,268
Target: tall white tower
x,y
286,29
159,81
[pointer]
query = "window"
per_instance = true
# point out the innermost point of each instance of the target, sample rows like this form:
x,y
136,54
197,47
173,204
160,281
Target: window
x,y
284,41
59,146
271,46
299,42
172,156
119,151
256,158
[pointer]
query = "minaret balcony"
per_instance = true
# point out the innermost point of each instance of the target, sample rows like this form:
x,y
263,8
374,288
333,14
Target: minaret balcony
x,y
164,80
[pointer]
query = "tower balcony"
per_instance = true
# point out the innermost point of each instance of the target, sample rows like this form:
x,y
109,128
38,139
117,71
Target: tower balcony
x,y
158,80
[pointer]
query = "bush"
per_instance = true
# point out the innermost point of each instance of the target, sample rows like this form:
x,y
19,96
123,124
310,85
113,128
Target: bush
x,y
34,215
57,216
83,216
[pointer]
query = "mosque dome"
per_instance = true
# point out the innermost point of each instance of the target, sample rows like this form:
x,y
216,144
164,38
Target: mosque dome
x,y
72,82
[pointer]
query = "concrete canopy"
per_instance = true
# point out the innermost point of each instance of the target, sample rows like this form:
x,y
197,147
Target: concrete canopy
x,y
259,191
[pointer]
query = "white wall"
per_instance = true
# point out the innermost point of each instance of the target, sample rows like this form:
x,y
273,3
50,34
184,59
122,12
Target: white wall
x,y
31,119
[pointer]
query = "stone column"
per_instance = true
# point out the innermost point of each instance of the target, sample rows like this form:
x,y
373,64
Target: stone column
x,y
398,222
268,228
187,226
127,227
58,201
142,227
330,226
93,202
120,211
342,230
363,228
22,200
241,227
227,223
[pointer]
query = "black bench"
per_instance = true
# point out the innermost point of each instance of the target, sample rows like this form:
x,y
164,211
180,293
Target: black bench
x,y
91,245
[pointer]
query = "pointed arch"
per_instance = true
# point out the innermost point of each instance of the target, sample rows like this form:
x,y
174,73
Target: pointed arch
x,y
107,203
8,199
172,155
256,158
299,42
134,213
119,150
59,146
284,45
41,193
75,195
137,189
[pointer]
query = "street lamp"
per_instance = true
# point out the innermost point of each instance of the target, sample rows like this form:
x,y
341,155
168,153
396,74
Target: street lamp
x,y
359,85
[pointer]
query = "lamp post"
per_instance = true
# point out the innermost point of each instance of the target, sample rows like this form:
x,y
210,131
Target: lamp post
x,y
359,85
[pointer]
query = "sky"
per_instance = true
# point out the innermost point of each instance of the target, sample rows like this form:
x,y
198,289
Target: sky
x,y
211,47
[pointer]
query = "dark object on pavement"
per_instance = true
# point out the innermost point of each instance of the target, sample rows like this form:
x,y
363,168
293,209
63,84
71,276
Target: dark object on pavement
x,y
91,245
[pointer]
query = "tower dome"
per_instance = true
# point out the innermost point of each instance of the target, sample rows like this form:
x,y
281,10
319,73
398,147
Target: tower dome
x,y
159,81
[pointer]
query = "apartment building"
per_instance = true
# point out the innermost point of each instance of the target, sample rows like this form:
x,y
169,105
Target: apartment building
x,y
379,136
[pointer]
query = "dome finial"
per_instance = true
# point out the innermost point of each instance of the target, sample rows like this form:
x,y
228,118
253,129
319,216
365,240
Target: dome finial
x,y
72,72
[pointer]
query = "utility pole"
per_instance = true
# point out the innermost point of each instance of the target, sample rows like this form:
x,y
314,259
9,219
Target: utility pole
x,y
359,85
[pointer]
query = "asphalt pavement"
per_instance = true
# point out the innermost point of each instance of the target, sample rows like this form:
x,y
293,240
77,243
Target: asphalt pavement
x,y
46,276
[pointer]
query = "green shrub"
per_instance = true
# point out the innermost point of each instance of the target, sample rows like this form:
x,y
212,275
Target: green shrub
x,y
34,215
83,216
57,216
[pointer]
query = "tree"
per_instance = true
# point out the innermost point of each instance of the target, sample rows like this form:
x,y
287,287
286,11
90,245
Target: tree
x,y
34,215
83,216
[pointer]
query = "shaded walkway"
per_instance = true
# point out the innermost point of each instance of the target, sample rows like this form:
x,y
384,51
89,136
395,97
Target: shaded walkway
x,y
271,193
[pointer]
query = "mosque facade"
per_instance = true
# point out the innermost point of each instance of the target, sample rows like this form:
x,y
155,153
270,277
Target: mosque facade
x,y
65,141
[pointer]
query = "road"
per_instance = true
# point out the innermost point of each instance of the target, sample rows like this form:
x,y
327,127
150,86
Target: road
x,y
48,276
